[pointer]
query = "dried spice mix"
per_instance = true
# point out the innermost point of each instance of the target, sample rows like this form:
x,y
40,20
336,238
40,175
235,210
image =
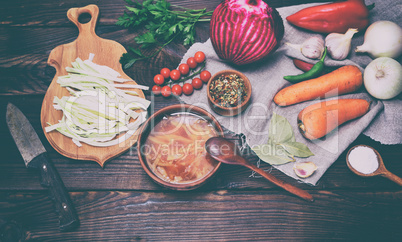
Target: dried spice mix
x,y
228,90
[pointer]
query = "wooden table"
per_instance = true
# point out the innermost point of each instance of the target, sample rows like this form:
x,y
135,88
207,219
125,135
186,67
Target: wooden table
x,y
121,203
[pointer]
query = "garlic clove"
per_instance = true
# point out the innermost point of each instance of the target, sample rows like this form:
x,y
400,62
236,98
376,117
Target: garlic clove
x,y
304,169
339,45
313,47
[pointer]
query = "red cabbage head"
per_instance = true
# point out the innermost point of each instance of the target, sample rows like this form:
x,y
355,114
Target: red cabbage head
x,y
245,31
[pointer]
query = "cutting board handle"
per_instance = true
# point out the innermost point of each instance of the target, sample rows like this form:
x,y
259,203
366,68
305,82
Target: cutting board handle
x,y
84,28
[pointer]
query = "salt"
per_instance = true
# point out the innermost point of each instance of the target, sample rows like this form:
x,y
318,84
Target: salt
x,y
363,159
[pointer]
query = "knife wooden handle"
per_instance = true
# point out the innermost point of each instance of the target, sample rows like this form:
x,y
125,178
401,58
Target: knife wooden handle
x,y
50,178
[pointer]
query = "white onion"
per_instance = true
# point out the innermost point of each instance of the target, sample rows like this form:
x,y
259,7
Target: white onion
x,y
383,78
382,39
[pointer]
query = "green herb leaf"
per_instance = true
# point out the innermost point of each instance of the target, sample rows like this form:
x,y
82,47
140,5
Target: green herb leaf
x,y
156,14
145,39
136,51
172,29
147,2
188,28
134,10
271,154
161,24
127,60
297,149
180,26
188,40
130,63
280,130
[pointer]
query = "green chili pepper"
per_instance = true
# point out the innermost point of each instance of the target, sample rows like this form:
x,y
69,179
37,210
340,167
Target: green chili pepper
x,y
315,71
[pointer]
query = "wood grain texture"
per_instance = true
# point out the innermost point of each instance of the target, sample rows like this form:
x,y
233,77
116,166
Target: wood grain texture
x,y
219,215
119,202
14,13
23,63
27,37
108,53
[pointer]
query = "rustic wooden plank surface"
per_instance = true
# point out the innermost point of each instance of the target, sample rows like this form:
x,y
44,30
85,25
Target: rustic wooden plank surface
x,y
121,203
23,65
27,37
49,13
209,216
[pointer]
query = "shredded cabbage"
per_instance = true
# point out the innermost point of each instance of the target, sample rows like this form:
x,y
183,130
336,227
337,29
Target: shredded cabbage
x,y
98,110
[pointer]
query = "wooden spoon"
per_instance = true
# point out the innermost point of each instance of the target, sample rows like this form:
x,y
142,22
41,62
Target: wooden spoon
x,y
381,170
226,151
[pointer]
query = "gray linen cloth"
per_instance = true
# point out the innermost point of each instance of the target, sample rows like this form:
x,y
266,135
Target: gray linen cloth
x,y
382,122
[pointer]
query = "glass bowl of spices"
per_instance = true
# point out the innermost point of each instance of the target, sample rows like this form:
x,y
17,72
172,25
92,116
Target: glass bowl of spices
x,y
229,92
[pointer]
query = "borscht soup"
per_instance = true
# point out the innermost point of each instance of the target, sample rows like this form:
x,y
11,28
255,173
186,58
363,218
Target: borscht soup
x,y
175,148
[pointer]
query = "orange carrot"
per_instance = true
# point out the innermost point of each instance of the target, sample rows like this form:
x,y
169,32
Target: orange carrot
x,y
317,120
343,80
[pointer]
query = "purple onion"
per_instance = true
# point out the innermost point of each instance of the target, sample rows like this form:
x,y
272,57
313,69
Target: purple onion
x,y
245,31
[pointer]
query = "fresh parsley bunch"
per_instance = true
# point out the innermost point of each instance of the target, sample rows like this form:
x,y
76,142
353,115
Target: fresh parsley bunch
x,y
162,25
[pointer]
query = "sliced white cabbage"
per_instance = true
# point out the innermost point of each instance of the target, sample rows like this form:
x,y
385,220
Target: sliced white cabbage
x,y
98,110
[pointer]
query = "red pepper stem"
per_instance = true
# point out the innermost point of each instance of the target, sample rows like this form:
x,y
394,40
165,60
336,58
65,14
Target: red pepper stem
x,y
371,6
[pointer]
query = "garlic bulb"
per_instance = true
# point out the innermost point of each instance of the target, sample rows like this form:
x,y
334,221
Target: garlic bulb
x,y
338,45
312,47
382,39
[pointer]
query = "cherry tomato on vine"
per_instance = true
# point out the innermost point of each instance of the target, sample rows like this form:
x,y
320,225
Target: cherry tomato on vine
x,y
191,62
199,56
165,72
159,79
156,90
175,75
188,89
184,69
166,91
197,83
177,90
205,76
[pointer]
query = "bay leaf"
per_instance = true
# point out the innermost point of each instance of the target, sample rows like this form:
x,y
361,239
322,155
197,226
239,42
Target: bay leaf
x,y
297,149
281,147
272,155
280,130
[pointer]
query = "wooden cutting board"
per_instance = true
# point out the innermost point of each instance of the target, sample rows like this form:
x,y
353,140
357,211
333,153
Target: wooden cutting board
x,y
107,52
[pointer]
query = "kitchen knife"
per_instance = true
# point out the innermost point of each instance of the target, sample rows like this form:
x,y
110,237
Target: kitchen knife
x,y
34,155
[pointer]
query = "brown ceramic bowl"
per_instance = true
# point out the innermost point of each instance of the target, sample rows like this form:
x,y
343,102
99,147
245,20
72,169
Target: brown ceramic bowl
x,y
229,111
153,120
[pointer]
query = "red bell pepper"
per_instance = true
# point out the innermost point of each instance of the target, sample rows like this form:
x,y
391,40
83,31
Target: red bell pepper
x,y
335,17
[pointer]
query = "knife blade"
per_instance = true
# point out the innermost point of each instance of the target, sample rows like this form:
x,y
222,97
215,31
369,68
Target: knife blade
x,y
35,156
